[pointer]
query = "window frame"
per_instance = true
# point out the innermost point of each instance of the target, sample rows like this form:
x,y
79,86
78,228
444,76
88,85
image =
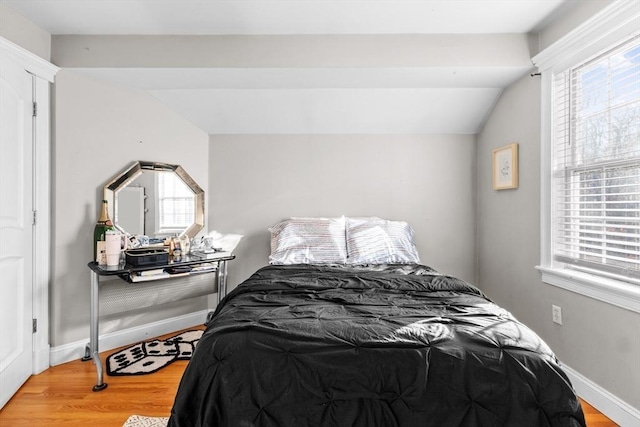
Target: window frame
x,y
614,24
160,230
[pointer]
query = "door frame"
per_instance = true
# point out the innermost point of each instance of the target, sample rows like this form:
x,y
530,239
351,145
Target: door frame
x,y
44,72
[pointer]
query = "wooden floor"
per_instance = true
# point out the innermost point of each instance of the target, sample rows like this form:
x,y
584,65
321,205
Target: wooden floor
x,y
62,396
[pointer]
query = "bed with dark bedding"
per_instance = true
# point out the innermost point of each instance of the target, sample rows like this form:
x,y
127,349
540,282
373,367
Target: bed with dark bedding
x,y
369,345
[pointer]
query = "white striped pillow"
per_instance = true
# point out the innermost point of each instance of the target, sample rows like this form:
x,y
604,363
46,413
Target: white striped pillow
x,y
378,241
308,241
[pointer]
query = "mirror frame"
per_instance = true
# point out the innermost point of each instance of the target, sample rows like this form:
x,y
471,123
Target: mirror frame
x,y
128,175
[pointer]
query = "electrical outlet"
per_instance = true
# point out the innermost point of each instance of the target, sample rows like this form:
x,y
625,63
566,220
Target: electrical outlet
x,y
556,314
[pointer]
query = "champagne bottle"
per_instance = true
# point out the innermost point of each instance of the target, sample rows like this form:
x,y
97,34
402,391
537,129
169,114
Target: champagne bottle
x,y
103,225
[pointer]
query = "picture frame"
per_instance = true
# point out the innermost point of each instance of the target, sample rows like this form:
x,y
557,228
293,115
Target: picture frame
x,y
505,167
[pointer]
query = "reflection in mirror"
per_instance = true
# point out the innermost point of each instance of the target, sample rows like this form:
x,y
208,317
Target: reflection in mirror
x,y
175,204
157,200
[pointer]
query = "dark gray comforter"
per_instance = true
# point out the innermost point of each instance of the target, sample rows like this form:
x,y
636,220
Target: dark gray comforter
x,y
377,346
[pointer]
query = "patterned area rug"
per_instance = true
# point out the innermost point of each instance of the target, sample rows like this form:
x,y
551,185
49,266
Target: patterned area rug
x,y
150,356
140,421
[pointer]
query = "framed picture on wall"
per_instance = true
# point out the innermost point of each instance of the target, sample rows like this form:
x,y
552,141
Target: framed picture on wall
x,y
505,167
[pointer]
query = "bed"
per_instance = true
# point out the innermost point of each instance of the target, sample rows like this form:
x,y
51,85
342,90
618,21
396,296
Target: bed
x,y
374,339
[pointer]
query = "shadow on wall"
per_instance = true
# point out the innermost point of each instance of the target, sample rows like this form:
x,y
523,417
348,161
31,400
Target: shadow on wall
x,y
75,248
251,254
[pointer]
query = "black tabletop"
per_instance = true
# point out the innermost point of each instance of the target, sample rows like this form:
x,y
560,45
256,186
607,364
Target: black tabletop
x,y
122,268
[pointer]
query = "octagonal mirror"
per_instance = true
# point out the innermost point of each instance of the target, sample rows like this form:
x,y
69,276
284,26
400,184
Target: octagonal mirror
x,y
156,200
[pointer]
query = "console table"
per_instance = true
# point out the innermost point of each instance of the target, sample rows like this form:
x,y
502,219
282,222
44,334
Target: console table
x,y
124,271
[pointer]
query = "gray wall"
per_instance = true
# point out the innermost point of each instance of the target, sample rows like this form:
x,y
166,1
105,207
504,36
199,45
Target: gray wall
x,y
597,339
15,28
425,180
100,129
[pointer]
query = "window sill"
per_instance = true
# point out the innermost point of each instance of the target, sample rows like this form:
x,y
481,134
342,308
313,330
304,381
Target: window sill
x,y
611,291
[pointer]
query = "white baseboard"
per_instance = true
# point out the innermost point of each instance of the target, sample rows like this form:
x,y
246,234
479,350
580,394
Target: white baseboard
x,y
618,410
74,351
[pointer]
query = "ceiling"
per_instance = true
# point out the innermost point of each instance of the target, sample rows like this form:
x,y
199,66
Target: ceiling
x,y
310,66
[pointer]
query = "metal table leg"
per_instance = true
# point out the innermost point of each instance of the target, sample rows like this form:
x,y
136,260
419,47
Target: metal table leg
x,y
221,277
93,333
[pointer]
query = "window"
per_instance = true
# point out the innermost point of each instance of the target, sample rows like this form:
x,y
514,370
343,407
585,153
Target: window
x,y
590,157
596,164
176,203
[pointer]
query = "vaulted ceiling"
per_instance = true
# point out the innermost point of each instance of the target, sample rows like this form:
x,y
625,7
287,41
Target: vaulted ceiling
x,y
303,66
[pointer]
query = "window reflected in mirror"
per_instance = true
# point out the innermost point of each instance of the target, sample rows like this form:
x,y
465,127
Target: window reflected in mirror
x,y
176,204
156,200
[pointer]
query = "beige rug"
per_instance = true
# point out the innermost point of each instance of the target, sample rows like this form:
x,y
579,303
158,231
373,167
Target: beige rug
x,y
140,421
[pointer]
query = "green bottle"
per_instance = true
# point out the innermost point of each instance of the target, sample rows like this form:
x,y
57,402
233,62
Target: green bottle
x,y
103,225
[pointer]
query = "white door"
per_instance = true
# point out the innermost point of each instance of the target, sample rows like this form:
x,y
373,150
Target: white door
x,y
16,227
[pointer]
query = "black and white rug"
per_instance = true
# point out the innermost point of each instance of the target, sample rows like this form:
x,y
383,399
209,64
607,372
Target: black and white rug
x,y
150,356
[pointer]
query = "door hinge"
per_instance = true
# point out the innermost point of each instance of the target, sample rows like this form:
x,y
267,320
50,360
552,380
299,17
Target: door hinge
x,y
35,217
35,325
35,109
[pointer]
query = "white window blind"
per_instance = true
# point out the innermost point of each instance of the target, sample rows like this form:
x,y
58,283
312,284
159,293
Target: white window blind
x,y
176,203
596,164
